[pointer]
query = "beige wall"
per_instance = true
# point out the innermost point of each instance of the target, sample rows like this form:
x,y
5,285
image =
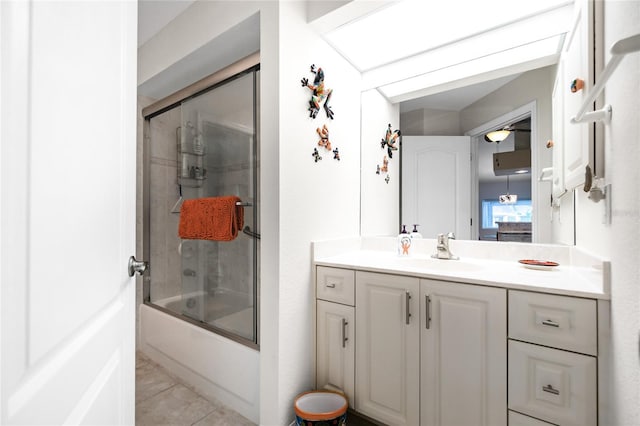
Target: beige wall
x,y
431,122
532,85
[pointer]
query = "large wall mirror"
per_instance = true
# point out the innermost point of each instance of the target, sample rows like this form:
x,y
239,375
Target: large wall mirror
x,y
455,178
501,57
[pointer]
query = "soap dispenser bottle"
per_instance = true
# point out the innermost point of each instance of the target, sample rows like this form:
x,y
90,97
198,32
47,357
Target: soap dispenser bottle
x,y
415,233
404,242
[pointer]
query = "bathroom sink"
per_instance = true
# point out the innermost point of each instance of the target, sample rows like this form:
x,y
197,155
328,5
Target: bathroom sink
x,y
440,265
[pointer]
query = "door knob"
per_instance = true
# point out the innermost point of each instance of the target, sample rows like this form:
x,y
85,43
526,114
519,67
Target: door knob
x,y
138,266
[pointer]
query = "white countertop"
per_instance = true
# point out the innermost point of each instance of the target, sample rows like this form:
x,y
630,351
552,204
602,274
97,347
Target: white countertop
x,y
579,278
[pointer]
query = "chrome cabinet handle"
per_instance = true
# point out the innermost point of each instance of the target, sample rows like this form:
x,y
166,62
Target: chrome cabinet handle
x,y
407,298
427,301
332,285
138,266
550,323
550,389
344,332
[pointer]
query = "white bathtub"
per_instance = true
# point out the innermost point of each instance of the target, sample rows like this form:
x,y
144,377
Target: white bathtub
x,y
216,366
226,309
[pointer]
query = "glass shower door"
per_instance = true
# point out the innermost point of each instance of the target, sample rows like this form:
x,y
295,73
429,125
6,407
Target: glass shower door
x,y
217,157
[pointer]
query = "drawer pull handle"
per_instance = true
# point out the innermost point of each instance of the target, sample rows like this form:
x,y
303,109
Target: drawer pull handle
x,y
332,285
407,298
427,301
550,389
550,323
344,333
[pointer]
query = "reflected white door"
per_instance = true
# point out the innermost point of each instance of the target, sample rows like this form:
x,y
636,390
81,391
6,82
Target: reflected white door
x,y
436,184
67,209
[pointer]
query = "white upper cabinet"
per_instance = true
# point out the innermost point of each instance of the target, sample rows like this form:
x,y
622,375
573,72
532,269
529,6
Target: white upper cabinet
x,y
558,188
574,143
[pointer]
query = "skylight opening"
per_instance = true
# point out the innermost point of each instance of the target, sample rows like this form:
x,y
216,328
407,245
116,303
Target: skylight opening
x,y
410,27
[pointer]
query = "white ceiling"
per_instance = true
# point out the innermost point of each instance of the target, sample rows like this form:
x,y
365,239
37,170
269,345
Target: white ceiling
x,y
456,99
418,48
153,15
408,27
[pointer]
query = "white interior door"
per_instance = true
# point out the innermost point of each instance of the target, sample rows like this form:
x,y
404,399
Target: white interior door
x,y
67,211
436,184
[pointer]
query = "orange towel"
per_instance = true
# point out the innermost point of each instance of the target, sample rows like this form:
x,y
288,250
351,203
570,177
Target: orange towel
x,y
214,218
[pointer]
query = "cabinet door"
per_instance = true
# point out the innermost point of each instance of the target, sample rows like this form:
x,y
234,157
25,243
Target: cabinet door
x,y
463,354
558,188
576,62
387,348
335,348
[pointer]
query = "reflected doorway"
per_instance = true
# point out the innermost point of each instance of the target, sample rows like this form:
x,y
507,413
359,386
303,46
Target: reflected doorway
x,y
482,216
504,183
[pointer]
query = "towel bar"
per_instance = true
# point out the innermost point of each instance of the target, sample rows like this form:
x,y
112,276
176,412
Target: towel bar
x,y
250,233
618,51
177,211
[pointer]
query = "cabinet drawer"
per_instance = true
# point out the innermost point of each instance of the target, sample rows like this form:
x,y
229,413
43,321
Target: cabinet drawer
x,y
335,285
553,385
559,321
517,419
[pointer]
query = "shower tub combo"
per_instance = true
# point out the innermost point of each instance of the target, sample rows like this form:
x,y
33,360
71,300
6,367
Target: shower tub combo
x,y
201,298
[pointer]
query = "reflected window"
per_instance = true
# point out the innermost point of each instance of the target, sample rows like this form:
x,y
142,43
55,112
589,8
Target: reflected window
x,y
493,211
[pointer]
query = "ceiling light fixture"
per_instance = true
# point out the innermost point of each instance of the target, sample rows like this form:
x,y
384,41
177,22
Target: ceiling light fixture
x,y
508,198
501,134
497,135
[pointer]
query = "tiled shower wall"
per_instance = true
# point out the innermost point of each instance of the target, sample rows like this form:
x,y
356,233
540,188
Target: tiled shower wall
x,y
164,242
230,174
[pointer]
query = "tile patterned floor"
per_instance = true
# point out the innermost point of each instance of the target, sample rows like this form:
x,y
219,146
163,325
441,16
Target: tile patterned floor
x,y
161,399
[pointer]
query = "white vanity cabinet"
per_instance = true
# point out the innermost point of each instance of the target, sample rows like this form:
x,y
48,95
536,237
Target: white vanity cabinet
x,y
552,358
463,354
388,348
418,351
335,330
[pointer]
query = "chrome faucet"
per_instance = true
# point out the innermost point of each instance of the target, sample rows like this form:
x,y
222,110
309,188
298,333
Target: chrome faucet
x,y
443,251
